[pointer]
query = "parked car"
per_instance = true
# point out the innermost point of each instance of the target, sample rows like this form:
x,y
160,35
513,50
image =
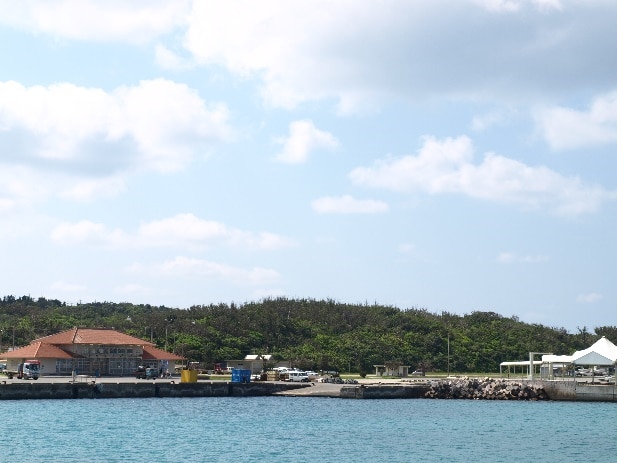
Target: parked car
x,y
312,375
418,373
298,376
146,373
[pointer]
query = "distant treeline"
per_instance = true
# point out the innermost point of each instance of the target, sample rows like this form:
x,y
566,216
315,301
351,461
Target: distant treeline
x,y
312,334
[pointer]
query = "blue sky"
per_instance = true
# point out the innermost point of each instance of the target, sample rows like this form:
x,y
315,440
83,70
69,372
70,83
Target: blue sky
x,y
454,155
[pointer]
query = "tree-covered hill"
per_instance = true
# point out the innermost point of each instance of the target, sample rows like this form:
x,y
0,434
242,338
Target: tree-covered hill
x,y
316,334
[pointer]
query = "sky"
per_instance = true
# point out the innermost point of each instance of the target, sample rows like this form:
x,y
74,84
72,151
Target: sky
x,y
451,155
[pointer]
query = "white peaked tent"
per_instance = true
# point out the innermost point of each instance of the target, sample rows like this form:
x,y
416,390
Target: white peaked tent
x,y
602,352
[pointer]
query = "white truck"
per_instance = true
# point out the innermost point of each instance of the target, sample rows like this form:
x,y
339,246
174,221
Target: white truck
x,y
297,376
30,369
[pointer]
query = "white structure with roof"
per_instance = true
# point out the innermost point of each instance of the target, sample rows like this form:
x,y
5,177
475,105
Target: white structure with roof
x,y
601,353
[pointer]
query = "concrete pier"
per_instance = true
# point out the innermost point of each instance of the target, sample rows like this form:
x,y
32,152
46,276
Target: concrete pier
x,y
109,388
384,391
112,390
579,391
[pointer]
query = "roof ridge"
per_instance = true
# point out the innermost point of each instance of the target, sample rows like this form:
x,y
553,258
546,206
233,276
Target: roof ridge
x,y
74,334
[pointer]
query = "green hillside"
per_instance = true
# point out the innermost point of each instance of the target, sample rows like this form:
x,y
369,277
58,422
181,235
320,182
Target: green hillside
x,y
315,334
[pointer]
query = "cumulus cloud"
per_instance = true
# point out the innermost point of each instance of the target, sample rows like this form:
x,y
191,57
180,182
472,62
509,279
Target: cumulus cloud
x,y
303,139
187,267
180,231
97,137
167,59
357,55
164,120
565,128
482,122
90,233
92,20
361,55
348,205
447,166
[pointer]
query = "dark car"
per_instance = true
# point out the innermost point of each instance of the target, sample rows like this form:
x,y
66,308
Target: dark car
x,y
146,373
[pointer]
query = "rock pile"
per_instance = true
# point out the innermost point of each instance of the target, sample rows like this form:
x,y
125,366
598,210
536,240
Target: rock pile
x,y
484,389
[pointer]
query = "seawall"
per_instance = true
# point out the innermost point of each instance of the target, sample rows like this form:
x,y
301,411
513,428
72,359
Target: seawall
x,y
110,390
567,390
384,391
579,391
486,389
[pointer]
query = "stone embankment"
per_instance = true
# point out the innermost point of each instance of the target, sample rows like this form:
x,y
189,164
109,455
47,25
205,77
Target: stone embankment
x,y
484,389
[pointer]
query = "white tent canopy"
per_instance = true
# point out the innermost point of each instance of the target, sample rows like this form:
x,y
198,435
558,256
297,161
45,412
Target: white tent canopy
x,y
551,358
602,352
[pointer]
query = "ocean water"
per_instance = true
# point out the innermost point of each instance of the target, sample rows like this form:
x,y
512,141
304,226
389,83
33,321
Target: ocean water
x,y
299,429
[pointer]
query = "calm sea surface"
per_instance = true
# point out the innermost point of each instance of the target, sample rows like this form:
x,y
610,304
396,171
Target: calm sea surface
x,y
278,429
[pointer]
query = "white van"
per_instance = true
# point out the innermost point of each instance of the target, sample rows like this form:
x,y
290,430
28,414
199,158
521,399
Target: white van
x,y
297,377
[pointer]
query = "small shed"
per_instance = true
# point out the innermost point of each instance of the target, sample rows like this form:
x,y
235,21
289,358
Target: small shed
x,y
253,362
401,371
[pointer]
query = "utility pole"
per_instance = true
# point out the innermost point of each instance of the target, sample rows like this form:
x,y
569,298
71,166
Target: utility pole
x,y
448,354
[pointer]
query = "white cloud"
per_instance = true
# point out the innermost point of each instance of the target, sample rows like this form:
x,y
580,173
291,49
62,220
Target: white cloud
x,y
89,189
303,139
90,139
19,186
166,122
186,267
362,55
188,229
357,55
565,128
447,166
92,20
483,122
167,59
511,258
348,205
589,298
180,231
91,233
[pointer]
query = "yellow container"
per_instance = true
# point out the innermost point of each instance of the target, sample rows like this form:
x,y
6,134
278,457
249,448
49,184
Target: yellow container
x,y
188,376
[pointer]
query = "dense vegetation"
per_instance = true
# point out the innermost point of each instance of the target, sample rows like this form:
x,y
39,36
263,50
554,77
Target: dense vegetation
x,y
312,334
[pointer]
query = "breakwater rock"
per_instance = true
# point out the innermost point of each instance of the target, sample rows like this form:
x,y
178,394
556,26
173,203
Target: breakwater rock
x,y
484,389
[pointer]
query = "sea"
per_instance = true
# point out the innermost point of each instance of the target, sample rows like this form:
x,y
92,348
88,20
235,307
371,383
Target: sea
x,y
305,429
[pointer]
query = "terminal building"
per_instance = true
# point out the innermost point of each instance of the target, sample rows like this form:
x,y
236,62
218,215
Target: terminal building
x,y
91,351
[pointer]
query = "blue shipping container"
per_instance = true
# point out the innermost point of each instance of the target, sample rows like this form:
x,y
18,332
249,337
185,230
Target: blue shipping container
x,y
240,376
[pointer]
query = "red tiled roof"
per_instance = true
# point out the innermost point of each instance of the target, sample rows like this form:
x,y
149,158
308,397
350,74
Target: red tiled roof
x,y
93,336
152,353
37,350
